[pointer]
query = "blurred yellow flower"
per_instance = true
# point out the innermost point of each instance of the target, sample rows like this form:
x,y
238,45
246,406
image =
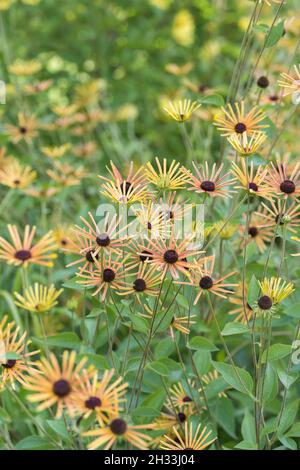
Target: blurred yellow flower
x,y
64,111
25,68
162,4
183,28
15,175
225,230
125,112
176,69
5,4
88,93
26,129
56,151
31,2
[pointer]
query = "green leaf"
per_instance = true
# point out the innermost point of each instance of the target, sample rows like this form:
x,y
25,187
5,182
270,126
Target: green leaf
x,y
59,428
293,310
270,384
253,292
164,348
234,328
202,344
145,412
248,428
34,443
225,415
155,399
276,352
202,360
288,442
213,388
288,416
287,380
213,100
138,324
238,378
182,301
294,431
97,360
275,34
159,367
245,445
4,416
61,340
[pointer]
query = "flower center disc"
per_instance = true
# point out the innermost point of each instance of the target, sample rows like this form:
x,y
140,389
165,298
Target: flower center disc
x,y
253,186
253,232
23,255
288,187
10,363
206,282
89,256
61,388
265,302
146,255
118,426
181,417
103,239
240,128
92,403
208,186
171,256
108,275
139,285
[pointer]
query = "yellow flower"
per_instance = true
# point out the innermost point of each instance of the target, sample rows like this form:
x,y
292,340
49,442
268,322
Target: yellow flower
x,y
25,68
14,356
38,298
246,146
54,384
23,252
119,430
31,2
65,111
183,28
235,120
5,4
189,440
181,110
162,4
65,238
273,291
125,112
15,175
26,129
56,151
290,83
65,174
224,230
176,69
88,93
276,288
163,177
103,396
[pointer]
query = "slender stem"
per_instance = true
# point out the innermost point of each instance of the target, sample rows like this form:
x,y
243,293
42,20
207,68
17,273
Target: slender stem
x,y
226,348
